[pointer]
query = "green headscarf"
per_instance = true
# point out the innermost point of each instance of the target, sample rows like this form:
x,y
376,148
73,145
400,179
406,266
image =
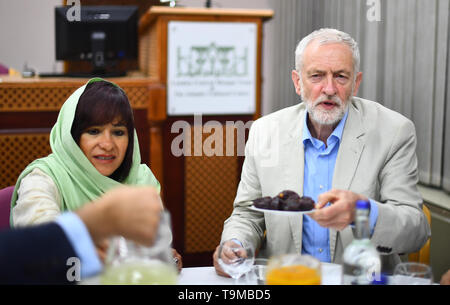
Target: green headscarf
x,y
78,181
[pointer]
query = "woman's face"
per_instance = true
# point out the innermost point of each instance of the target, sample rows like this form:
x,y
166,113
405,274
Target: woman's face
x,y
105,146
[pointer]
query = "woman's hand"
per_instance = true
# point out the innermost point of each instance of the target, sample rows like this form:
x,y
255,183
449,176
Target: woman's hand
x,y
177,259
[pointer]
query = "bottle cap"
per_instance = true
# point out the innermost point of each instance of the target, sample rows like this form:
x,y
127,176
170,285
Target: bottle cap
x,y
362,204
382,279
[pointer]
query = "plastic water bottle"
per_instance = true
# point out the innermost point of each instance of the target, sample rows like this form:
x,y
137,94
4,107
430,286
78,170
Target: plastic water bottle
x,y
362,263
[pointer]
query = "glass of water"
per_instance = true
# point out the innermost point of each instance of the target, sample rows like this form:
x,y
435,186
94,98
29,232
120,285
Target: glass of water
x,y
412,274
256,275
235,259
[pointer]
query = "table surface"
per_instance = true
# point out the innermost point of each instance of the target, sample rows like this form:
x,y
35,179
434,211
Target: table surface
x,y
331,275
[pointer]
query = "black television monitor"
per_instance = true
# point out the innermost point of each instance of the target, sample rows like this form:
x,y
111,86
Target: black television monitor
x,y
103,35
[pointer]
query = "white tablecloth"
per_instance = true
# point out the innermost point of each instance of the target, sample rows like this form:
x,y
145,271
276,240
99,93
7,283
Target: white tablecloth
x,y
331,275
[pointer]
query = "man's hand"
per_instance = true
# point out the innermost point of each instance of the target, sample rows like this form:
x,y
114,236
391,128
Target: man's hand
x,y
219,270
340,213
132,212
229,255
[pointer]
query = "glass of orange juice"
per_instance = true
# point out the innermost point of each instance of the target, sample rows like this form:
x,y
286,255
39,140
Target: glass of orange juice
x,y
293,269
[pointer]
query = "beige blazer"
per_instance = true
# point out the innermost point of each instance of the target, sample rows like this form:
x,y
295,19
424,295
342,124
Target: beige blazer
x,y
376,158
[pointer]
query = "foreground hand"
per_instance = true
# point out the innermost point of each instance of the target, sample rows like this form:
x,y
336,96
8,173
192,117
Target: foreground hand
x,y
102,249
340,213
132,212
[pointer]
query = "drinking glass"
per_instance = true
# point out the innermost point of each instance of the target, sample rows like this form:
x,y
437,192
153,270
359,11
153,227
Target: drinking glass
x,y
130,263
293,269
256,275
235,259
412,274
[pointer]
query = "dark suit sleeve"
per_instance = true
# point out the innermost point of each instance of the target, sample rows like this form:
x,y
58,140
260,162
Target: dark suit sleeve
x,y
35,255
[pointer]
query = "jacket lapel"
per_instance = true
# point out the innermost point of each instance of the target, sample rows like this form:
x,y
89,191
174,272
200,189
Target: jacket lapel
x,y
348,157
292,156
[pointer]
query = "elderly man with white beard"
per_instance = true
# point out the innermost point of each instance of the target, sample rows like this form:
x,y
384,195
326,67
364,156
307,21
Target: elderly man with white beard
x,y
335,148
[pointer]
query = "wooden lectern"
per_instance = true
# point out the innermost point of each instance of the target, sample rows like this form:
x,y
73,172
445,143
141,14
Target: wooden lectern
x,y
198,190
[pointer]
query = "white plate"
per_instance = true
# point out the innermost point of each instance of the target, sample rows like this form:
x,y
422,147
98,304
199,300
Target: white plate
x,y
286,213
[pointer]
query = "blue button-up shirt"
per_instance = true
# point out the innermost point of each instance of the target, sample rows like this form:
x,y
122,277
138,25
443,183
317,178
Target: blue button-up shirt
x,y
318,177
80,239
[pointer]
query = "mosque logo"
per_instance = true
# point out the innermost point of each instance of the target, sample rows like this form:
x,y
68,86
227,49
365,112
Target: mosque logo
x,y
212,61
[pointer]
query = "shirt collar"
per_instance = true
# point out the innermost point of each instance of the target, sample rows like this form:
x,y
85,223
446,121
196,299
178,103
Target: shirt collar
x,y
337,132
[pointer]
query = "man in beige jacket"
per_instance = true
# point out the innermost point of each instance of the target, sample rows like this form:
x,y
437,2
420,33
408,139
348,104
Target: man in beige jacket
x,y
337,149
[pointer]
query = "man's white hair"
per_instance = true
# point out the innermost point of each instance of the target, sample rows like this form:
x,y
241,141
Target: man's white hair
x,y
324,36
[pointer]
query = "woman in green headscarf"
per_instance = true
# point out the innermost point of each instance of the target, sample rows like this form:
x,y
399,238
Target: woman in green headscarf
x,y
98,111
94,149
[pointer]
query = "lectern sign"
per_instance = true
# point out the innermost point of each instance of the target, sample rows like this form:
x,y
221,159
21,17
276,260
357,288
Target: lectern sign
x,y
211,68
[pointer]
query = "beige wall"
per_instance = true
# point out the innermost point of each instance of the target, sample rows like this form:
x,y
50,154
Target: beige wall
x,y
27,34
